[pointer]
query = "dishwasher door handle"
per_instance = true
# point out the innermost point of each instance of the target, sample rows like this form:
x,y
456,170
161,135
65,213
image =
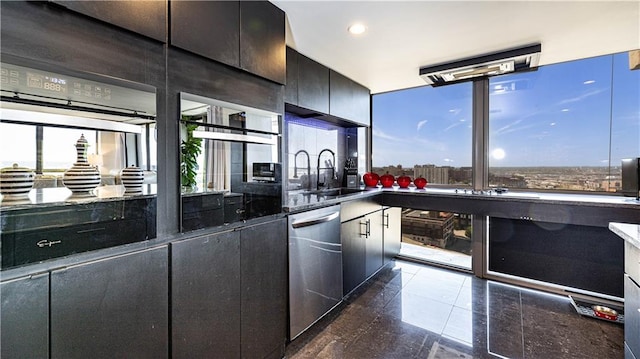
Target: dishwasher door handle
x,y
314,221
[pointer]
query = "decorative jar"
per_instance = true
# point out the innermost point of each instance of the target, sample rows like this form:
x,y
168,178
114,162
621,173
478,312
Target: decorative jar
x,y
82,177
16,181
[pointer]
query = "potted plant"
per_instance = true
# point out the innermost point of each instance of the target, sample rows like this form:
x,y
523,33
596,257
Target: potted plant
x,y
190,149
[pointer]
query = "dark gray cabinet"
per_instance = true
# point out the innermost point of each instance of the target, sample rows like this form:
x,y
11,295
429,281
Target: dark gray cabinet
x,y
391,232
353,234
207,28
148,18
205,296
313,85
24,318
291,86
262,40
263,275
362,249
113,308
249,35
348,99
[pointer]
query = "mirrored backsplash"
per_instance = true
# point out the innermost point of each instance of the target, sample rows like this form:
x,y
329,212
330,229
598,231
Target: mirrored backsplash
x,y
322,155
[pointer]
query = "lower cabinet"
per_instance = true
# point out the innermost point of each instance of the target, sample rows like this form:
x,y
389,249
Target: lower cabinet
x,y
362,249
205,296
24,318
632,315
392,232
112,308
229,293
263,276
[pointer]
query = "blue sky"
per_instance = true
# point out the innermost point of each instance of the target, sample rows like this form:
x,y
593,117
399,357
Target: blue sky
x,y
559,115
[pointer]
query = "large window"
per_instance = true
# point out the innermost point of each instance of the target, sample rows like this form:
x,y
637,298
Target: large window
x,y
424,131
17,145
566,126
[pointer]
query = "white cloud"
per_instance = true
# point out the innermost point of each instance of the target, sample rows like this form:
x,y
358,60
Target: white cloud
x,y
421,123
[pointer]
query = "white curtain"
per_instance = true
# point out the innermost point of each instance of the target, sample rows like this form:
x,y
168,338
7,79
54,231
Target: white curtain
x,y
217,154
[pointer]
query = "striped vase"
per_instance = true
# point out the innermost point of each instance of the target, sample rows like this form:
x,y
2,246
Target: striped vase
x,y
132,178
82,177
16,181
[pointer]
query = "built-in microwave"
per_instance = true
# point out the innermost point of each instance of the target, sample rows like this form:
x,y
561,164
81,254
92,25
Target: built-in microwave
x,y
267,172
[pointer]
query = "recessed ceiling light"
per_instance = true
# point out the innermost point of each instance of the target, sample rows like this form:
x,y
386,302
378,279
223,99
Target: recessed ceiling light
x,y
357,28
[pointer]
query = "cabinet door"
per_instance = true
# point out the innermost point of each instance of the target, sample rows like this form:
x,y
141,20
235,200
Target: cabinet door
x,y
632,315
374,247
24,318
262,40
353,236
263,277
291,87
148,18
349,100
113,308
391,232
207,28
313,85
205,292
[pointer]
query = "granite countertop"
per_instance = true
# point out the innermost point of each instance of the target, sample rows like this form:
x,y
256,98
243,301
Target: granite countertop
x,y
629,232
297,200
55,196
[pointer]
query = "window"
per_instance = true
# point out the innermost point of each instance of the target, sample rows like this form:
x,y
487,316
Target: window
x,y
58,147
566,126
424,131
17,145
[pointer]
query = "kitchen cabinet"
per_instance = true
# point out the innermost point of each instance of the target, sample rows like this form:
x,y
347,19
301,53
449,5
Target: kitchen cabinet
x,y
116,307
362,248
148,18
24,317
262,40
205,296
313,85
632,295
249,35
207,28
392,232
348,99
202,210
263,276
291,86
229,293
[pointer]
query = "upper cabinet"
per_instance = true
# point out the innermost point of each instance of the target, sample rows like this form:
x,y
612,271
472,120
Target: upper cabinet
x,y
249,35
148,18
349,99
207,28
312,87
262,40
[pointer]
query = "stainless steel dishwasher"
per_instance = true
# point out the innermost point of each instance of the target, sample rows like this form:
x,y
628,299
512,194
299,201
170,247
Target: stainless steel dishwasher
x,y
315,266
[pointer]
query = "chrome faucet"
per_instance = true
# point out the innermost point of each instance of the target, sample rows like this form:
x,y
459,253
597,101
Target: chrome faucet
x,y
332,168
295,166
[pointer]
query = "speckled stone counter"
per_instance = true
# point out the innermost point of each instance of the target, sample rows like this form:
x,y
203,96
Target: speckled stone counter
x,y
629,232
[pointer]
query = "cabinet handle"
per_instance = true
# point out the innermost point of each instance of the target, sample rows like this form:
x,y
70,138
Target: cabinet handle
x,y
368,228
365,229
46,243
387,217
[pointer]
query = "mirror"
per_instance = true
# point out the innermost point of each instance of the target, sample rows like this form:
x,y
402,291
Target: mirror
x,y
78,158
230,162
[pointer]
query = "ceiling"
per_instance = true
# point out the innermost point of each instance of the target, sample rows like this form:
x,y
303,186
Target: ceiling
x,y
403,36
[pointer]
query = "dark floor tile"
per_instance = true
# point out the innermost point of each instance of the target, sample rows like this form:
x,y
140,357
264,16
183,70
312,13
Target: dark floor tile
x,y
354,320
390,337
504,321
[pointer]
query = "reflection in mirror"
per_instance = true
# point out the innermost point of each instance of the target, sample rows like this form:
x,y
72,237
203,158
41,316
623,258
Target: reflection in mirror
x,y
84,149
230,162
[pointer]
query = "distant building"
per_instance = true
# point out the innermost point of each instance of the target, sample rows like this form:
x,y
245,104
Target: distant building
x,y
509,182
428,227
432,173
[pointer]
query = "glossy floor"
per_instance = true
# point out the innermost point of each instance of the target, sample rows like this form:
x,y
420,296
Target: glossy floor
x,y
414,311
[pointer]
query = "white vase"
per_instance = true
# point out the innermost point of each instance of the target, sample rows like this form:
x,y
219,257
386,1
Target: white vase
x,y
132,178
82,177
16,181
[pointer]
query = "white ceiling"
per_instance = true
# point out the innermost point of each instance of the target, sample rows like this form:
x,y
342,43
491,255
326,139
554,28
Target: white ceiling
x,y
403,36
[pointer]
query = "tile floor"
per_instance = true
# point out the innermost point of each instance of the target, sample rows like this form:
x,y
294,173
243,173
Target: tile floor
x,y
414,311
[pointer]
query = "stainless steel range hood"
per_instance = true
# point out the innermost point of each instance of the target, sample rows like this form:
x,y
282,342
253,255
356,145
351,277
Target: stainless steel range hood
x,y
514,60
